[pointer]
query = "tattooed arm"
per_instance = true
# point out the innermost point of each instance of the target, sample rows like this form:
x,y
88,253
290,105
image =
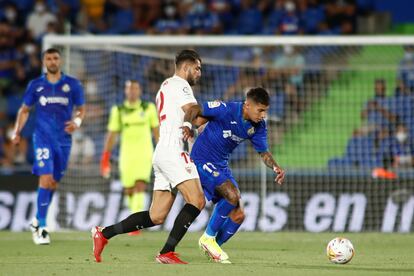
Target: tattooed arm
x,y
268,160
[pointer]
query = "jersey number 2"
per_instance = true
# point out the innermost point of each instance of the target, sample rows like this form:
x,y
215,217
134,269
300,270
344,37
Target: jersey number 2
x,y
160,105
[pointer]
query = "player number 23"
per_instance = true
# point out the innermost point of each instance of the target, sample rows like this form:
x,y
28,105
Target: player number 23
x,y
42,153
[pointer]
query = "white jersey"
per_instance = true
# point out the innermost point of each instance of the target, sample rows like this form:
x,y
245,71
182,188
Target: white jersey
x,y
174,93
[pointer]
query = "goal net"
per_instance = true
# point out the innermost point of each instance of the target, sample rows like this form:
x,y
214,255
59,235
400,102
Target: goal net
x,y
340,122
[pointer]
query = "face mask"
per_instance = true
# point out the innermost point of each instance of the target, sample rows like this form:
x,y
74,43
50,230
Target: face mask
x,y
39,8
10,14
91,88
288,50
401,136
290,6
169,11
199,8
29,49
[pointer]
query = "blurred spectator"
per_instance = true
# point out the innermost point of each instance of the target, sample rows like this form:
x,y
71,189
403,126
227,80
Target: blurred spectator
x,y
250,19
146,13
169,22
200,20
403,148
223,9
289,68
289,23
406,68
82,151
312,15
8,55
91,16
376,113
274,17
38,19
340,14
122,19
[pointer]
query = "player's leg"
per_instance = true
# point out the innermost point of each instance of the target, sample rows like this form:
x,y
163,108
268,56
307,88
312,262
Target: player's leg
x,y
195,202
231,225
230,196
162,202
43,166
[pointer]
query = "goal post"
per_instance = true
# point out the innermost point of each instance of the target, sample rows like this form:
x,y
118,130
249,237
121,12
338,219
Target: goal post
x,y
327,128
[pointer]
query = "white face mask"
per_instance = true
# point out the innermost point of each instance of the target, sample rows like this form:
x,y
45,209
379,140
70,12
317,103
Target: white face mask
x,y
401,136
40,8
408,55
290,6
29,49
10,14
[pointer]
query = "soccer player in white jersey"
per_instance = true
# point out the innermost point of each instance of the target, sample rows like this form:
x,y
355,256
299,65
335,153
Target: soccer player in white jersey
x,y
174,170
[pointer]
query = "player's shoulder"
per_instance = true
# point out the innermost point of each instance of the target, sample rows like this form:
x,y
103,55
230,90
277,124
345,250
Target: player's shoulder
x,y
71,79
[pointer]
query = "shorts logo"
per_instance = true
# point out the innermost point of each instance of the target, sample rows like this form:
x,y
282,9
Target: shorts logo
x,y
216,174
41,164
66,88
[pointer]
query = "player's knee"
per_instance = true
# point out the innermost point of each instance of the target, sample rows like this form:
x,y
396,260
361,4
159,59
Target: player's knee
x,y
238,216
157,220
199,202
233,198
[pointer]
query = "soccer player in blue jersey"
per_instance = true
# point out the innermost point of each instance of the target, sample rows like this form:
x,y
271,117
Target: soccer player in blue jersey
x,y
59,103
229,124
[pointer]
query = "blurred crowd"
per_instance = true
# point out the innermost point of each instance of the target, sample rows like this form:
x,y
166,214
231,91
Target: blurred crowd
x,y
23,24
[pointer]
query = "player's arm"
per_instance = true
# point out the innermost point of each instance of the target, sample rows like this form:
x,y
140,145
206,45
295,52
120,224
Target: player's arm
x,y
192,118
76,121
21,120
156,133
270,162
110,140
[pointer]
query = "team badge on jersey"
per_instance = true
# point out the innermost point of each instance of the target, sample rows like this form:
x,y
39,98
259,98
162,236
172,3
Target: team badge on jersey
x,y
213,104
251,131
66,88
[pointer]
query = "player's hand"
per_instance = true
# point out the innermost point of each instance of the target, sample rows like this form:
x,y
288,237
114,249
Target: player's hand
x,y
70,127
187,133
15,139
280,177
106,164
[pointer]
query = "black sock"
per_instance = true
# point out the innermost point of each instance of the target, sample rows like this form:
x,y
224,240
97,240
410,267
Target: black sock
x,y
181,224
132,223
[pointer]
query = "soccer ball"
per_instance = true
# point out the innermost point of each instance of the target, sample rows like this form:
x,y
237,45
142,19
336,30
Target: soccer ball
x,y
340,251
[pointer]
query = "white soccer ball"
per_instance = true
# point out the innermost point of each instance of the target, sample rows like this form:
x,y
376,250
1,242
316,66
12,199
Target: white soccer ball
x,y
340,251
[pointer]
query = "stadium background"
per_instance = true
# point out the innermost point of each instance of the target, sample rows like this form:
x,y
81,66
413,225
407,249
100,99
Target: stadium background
x,y
341,175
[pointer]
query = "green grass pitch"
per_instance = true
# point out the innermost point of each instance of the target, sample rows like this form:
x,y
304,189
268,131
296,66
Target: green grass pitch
x,y
281,253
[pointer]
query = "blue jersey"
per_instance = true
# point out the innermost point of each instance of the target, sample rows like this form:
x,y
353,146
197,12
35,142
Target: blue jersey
x,y
54,104
225,130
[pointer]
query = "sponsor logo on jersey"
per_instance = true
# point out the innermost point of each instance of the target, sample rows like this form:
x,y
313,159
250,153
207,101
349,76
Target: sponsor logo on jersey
x,y
53,100
66,88
251,131
39,89
233,122
235,138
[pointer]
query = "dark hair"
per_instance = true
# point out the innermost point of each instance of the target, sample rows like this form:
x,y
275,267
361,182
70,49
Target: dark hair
x,y
259,95
51,51
186,55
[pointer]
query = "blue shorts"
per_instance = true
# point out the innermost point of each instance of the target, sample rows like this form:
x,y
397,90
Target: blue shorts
x,y
212,176
50,159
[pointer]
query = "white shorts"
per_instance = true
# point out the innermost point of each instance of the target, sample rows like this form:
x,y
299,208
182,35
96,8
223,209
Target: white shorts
x,y
172,167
